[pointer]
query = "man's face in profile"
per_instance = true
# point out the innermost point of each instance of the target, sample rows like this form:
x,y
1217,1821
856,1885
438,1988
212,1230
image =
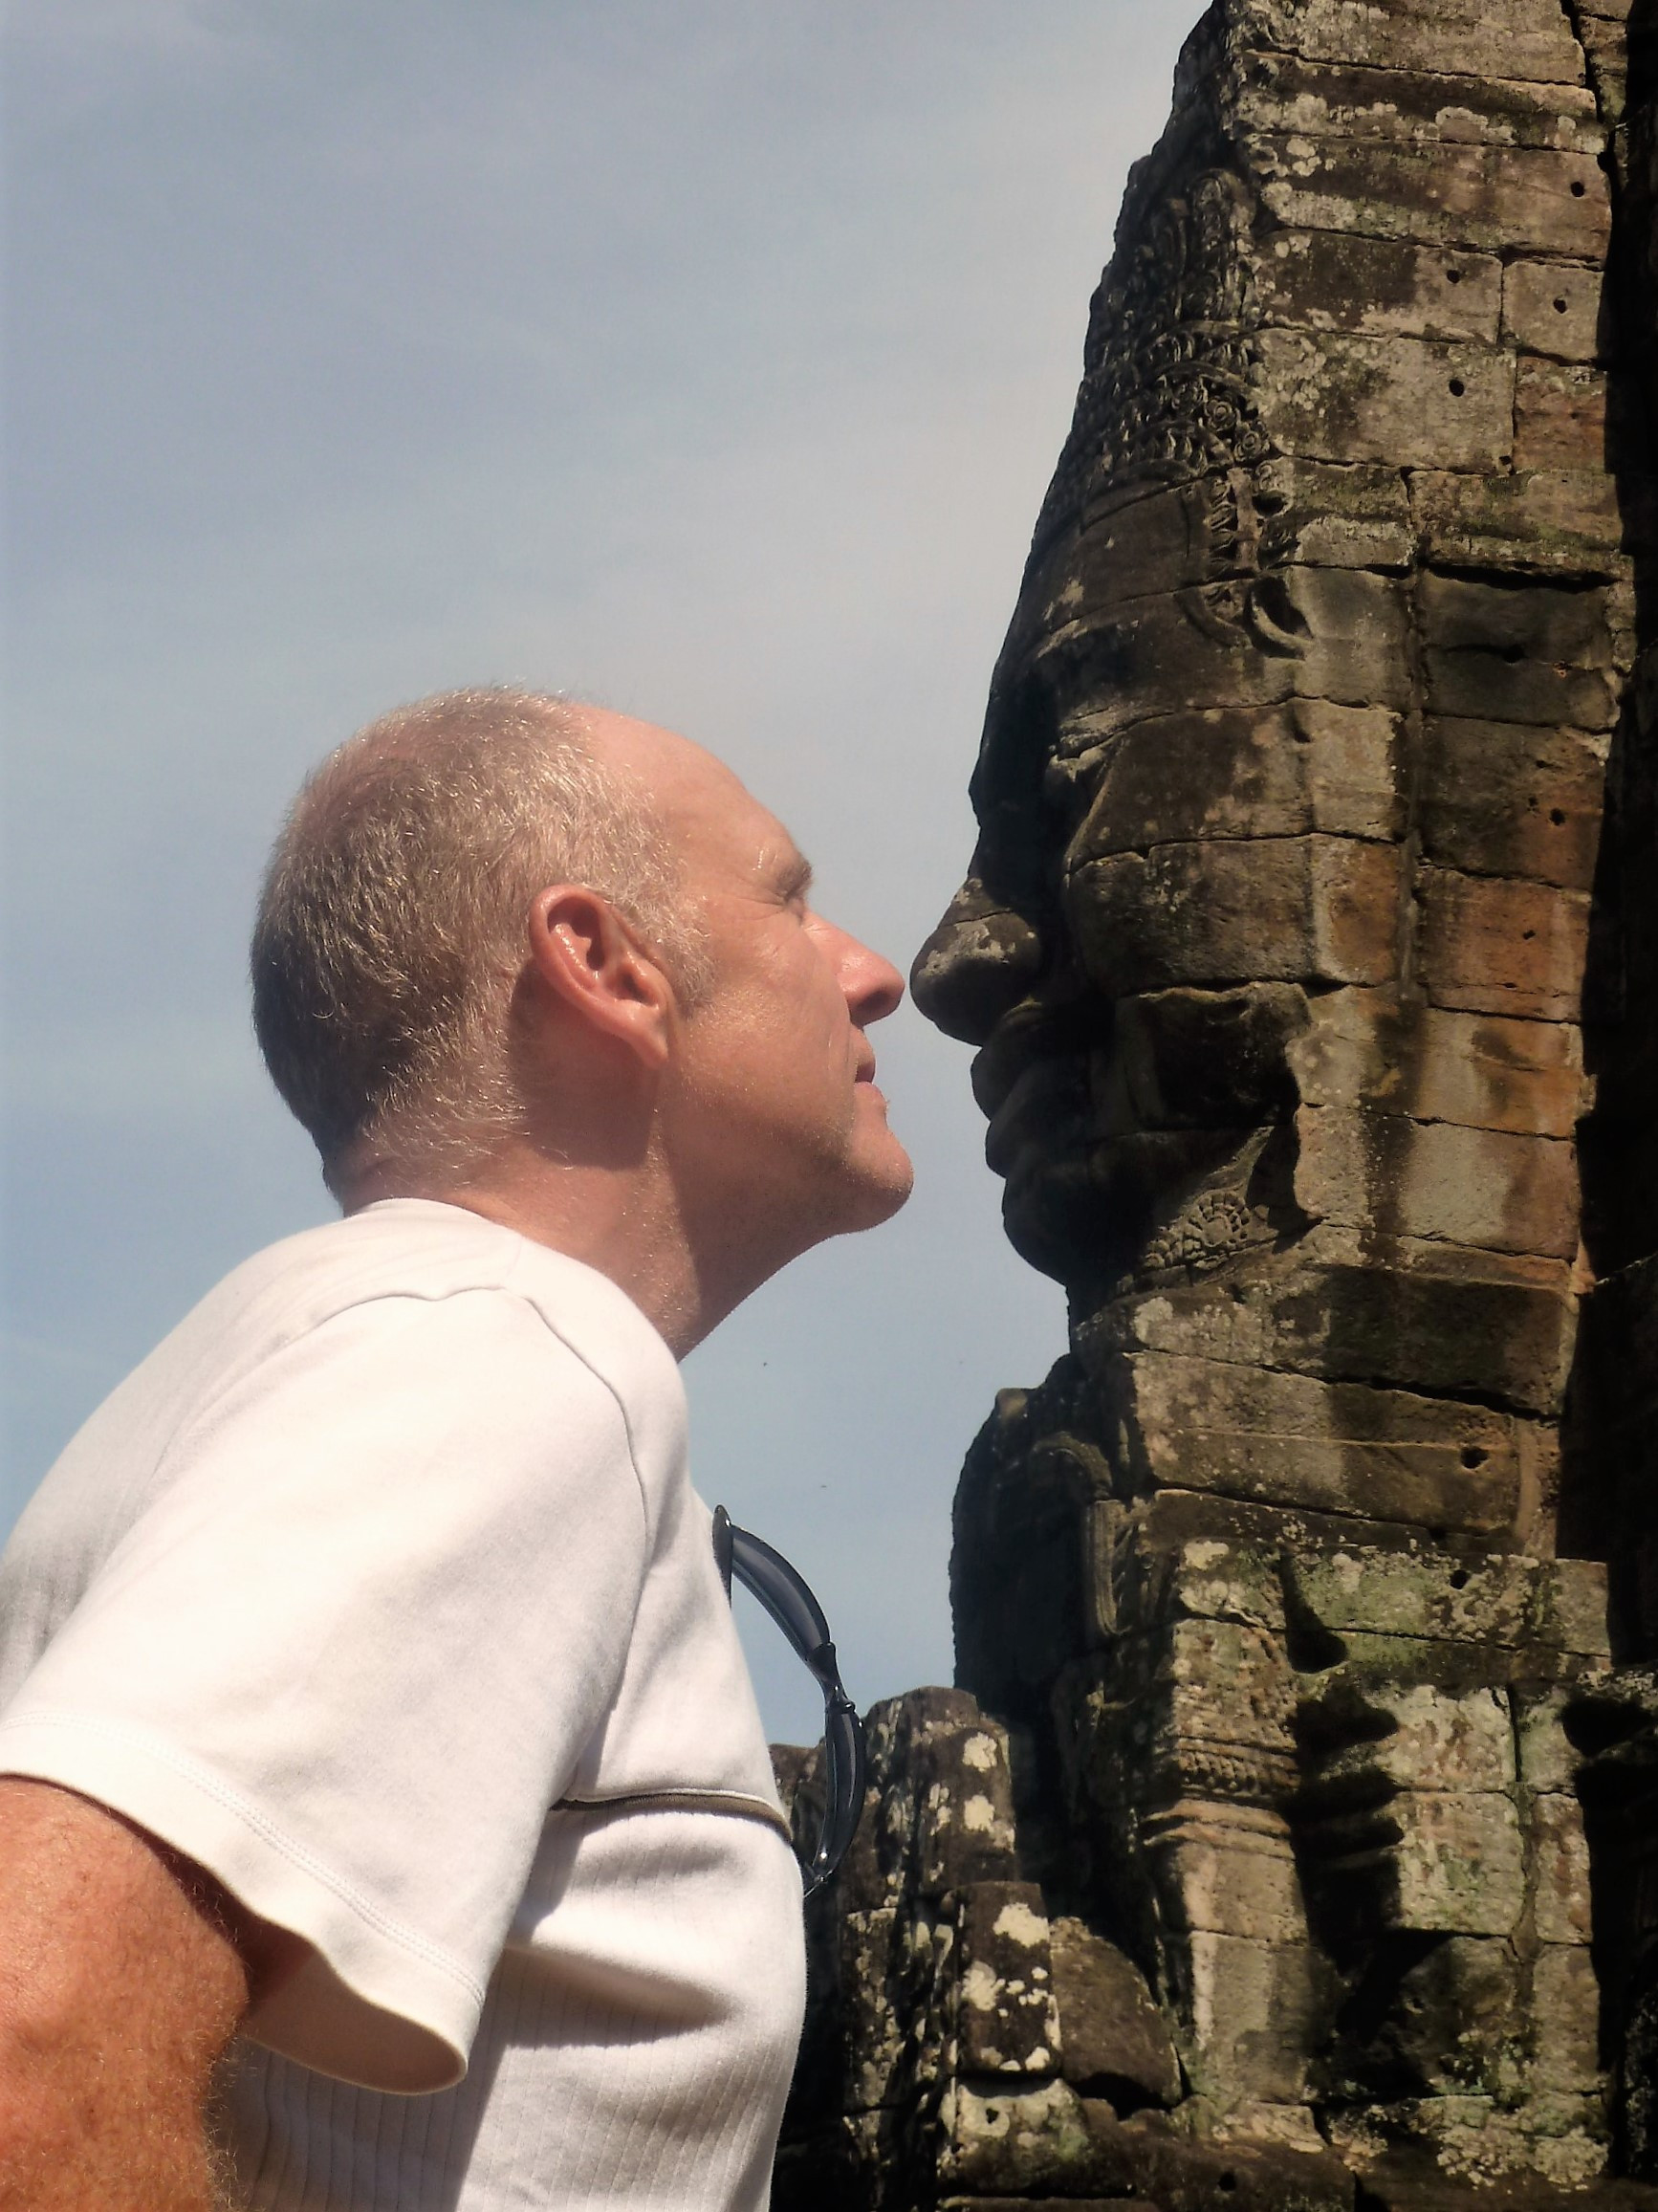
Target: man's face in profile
x,y
770,1106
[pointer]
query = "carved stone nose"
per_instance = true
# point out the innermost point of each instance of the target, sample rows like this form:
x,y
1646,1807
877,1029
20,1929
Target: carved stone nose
x,y
980,961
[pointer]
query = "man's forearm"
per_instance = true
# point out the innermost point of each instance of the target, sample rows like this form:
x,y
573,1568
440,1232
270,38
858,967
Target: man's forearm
x,y
120,1991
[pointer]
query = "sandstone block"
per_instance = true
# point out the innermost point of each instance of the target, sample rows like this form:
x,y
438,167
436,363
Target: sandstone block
x,y
1545,1756
874,2011
1492,946
1195,1730
1314,633
1204,1059
1572,1608
1226,1871
1427,406
1569,628
1006,2018
1481,685
1456,2024
1480,199
1281,93
1525,44
1425,1591
1282,909
1249,2013
1605,48
1374,1321
1455,1866
1172,541
1291,1439
939,1807
1114,2039
1553,307
1535,521
1512,799
1483,1188
1213,1578
1559,415
1021,2141
1362,1048
1437,1738
1560,1857
1325,514
1566,2007
1330,281
1273,772
1517,653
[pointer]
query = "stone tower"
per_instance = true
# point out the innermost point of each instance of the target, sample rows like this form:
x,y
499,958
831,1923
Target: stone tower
x,y
1310,950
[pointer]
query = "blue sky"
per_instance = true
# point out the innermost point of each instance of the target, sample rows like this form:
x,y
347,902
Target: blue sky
x,y
708,361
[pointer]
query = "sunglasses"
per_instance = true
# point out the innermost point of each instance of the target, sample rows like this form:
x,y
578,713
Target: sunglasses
x,y
767,1575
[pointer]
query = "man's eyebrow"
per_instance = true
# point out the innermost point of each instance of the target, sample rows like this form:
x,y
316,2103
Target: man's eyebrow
x,y
794,877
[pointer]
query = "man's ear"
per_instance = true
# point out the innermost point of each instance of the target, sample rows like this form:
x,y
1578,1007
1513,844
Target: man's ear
x,y
594,963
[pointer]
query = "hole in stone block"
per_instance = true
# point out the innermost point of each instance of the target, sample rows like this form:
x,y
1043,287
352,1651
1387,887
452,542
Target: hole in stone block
x,y
1557,814
1473,1455
1459,1580
1227,2179
1454,277
1579,188
1513,653
1458,388
1560,307
1526,935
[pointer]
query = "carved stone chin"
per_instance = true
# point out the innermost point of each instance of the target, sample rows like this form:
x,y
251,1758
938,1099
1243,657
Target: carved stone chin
x,y
1310,949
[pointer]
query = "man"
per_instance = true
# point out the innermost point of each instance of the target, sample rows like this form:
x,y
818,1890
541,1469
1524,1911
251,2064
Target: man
x,y
390,1548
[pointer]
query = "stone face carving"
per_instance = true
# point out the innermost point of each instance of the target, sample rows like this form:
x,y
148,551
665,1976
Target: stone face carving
x,y
1314,838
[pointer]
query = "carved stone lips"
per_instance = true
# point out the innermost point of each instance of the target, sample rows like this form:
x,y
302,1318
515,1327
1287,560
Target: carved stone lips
x,y
1044,1112
1037,1029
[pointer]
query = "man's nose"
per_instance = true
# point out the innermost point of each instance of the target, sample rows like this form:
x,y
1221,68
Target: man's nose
x,y
980,961
873,986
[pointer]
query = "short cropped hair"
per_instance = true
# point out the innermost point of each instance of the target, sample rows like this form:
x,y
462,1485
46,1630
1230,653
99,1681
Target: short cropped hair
x,y
392,924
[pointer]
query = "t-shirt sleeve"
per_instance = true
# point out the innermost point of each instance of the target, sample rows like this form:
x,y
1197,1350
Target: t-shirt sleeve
x,y
350,1654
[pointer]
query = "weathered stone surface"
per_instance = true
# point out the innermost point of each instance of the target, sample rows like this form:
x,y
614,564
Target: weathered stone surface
x,y
1364,1049
1281,772
1535,521
1559,415
1493,946
1313,908
1311,952
1008,2021
1322,514
1330,281
1282,92
1475,197
1554,307
1336,398
1336,1447
1507,800
1528,43
1486,1188
1114,2040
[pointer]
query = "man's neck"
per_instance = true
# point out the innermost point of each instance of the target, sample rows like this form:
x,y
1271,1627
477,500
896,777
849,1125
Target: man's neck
x,y
623,1222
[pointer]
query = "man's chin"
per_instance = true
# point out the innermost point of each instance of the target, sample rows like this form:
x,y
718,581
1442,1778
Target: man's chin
x,y
882,1186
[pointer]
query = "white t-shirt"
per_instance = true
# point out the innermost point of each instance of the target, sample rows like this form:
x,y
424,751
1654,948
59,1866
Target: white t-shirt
x,y
389,1549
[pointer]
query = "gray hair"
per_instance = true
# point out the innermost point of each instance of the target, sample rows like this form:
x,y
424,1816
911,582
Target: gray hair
x,y
392,924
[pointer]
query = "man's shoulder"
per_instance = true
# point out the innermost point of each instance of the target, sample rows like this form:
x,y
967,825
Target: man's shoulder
x,y
419,1250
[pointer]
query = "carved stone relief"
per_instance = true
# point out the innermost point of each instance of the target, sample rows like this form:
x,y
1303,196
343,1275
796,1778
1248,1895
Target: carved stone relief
x,y
1310,951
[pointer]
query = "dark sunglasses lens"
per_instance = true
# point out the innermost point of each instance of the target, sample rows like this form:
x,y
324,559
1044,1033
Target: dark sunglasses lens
x,y
842,1792
769,1577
